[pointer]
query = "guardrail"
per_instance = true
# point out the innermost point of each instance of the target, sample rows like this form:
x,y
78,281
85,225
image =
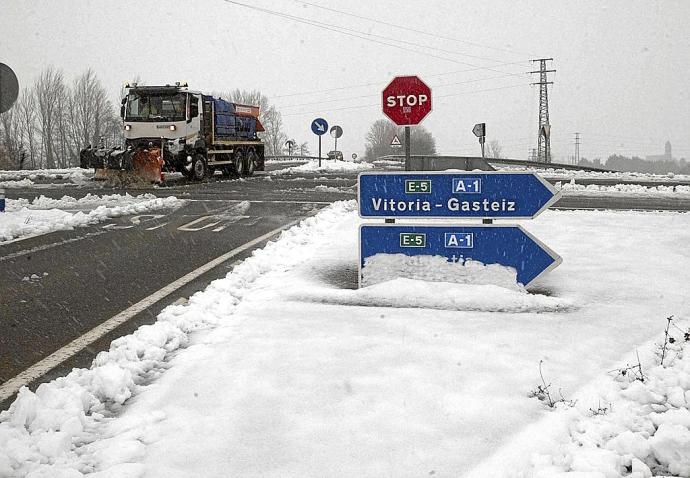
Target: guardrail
x,y
294,157
507,162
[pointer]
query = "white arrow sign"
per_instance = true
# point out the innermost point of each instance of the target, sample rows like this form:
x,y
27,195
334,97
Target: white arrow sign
x,y
320,126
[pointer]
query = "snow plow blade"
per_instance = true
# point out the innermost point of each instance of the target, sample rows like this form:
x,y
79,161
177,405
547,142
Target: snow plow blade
x,y
142,165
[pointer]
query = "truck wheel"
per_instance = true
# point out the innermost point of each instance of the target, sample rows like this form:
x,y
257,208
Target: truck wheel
x,y
199,167
238,160
251,165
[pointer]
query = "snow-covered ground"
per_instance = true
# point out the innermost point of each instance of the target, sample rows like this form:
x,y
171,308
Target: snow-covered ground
x,y
23,217
284,369
327,165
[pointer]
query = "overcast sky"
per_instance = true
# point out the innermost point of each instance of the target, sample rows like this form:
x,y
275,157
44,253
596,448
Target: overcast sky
x,y
622,77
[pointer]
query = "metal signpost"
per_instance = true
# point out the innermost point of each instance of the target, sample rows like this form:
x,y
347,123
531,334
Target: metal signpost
x,y
290,143
9,88
319,127
336,132
406,101
479,131
485,195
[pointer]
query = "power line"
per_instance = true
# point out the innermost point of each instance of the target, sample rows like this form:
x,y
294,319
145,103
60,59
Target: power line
x,y
377,95
379,83
358,34
413,30
378,104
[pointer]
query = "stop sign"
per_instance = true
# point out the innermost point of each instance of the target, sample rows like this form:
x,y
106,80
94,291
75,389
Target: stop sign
x,y
406,100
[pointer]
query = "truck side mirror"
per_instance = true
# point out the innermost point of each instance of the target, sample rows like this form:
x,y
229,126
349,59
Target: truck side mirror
x,y
122,111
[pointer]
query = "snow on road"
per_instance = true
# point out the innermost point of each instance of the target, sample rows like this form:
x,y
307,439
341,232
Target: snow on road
x,y
284,369
23,217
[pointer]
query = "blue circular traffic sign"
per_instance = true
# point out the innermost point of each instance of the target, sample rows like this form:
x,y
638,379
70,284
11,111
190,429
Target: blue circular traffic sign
x,y
319,126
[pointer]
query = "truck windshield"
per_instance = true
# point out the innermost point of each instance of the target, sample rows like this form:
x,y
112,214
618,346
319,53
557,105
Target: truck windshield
x,y
156,107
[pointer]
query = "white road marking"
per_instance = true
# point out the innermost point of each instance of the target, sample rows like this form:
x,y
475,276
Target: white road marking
x,y
188,227
153,228
136,220
39,369
48,246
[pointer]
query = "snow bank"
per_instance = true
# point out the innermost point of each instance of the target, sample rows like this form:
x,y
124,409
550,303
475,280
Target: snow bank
x,y
327,165
409,293
640,427
43,215
567,174
20,183
624,190
75,175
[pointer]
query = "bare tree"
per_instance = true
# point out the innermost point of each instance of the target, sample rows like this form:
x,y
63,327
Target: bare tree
x,y
495,149
269,116
304,149
26,111
381,134
10,144
49,90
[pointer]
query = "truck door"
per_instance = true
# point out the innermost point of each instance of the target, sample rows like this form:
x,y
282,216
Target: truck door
x,y
193,117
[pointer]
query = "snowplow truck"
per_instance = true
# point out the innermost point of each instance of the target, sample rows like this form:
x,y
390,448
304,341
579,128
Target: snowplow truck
x,y
171,128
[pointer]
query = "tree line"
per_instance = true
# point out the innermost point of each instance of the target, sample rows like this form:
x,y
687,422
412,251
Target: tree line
x,y
618,162
53,119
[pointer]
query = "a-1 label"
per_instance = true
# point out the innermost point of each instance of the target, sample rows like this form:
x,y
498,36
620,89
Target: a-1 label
x,y
409,239
467,185
459,240
417,186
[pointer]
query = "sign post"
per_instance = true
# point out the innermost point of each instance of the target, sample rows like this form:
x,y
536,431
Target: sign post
x,y
336,132
406,101
290,143
319,127
479,131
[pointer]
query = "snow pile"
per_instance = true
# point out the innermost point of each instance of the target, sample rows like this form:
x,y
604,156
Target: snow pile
x,y
20,183
75,175
640,429
327,165
409,293
43,215
628,190
384,267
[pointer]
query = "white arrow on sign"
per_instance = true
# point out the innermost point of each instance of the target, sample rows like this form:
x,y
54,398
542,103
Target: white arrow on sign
x,y
320,126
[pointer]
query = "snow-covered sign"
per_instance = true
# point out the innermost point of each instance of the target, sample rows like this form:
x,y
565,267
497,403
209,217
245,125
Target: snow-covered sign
x,y
509,246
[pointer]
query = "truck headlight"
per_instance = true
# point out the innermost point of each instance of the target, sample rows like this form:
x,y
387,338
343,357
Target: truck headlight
x,y
173,127
128,127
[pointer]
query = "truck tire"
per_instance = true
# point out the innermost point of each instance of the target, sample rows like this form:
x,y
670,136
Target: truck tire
x,y
238,161
199,167
251,165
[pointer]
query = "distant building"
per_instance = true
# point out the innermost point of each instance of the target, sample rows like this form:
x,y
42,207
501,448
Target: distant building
x,y
667,156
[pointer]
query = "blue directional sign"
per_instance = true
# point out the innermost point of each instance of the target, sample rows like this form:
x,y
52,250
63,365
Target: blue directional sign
x,y
319,126
494,194
509,246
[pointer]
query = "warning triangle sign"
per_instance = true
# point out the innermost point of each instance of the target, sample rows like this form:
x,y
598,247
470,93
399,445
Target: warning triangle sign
x,y
395,142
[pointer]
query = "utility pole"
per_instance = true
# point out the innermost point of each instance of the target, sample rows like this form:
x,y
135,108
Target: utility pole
x,y
544,143
577,148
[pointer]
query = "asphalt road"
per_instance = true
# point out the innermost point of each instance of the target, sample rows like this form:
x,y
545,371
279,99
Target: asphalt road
x,y
89,275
